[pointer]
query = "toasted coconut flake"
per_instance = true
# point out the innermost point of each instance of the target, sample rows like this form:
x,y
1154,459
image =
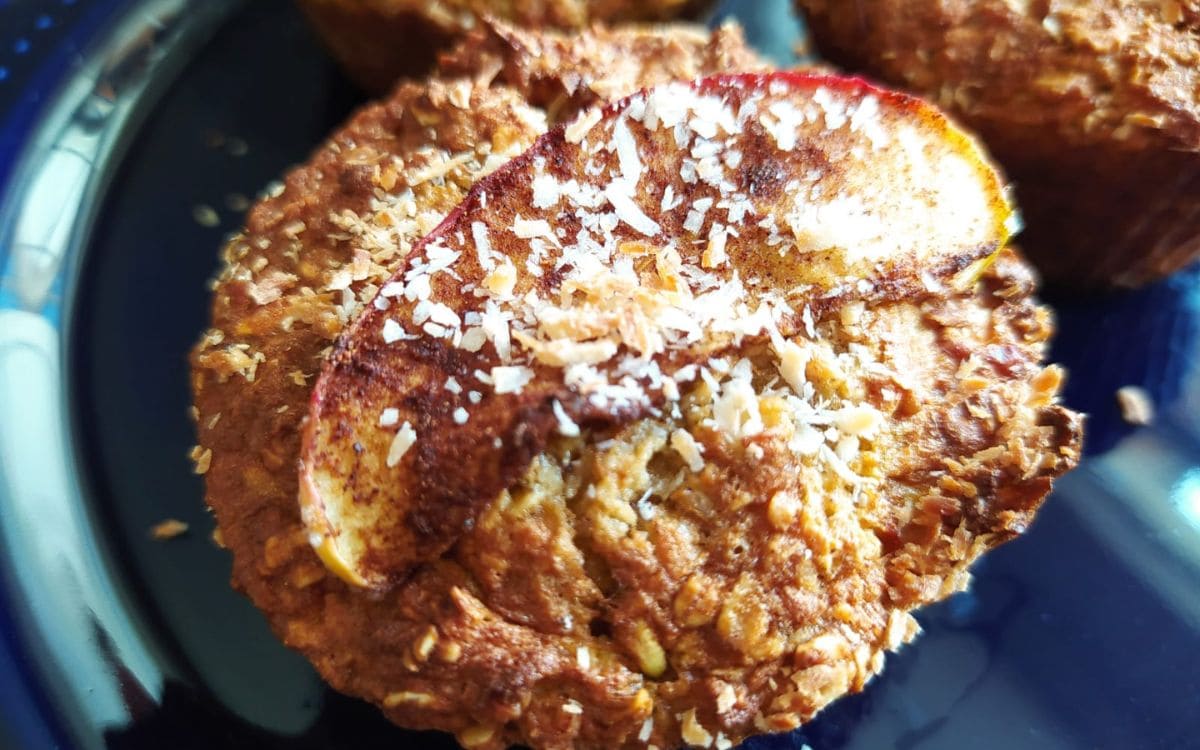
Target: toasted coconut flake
x,y
736,409
692,732
578,130
389,417
646,730
270,287
404,440
565,352
628,211
473,339
511,379
168,529
862,420
502,279
203,459
566,425
688,449
793,361
572,707
528,229
393,332
627,153
1137,407
439,168
714,254
726,698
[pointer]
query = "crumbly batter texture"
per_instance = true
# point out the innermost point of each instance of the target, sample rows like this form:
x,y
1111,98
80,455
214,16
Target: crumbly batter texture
x,y
1092,108
658,564
378,41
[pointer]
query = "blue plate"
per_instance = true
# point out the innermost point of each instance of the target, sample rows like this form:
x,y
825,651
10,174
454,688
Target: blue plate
x,y
131,134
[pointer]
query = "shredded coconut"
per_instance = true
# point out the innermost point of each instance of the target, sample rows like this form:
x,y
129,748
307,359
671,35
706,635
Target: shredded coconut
x,y
511,379
389,417
687,447
405,438
566,425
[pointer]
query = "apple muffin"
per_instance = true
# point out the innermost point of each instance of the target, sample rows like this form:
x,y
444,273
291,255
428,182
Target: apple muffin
x,y
656,434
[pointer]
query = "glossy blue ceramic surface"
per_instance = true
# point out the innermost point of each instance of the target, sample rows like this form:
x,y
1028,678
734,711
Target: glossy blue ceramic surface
x,y
122,121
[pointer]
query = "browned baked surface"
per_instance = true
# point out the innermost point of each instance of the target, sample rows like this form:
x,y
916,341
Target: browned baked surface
x,y
1093,109
377,41
545,623
563,74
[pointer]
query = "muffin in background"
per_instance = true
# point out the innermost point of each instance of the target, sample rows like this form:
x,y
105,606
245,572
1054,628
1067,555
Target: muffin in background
x,y
1092,108
378,41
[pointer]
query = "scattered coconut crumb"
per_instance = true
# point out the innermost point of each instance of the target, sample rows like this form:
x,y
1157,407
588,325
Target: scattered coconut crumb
x,y
168,529
863,420
692,731
726,698
205,215
401,443
577,130
237,202
687,447
502,279
510,379
389,417
393,332
438,168
202,458
646,730
1137,407
572,707
566,425
715,254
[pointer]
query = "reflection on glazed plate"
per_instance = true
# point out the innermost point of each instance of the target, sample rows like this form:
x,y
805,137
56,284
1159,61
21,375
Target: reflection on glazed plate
x,y
133,134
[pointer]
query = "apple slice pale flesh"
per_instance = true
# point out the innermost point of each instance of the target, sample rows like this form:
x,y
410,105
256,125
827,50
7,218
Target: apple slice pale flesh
x,y
575,285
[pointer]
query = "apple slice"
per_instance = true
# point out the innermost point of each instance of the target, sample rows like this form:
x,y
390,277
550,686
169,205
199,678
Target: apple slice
x,y
575,286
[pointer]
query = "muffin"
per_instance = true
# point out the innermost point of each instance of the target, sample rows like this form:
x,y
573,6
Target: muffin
x,y
377,41
1092,108
665,427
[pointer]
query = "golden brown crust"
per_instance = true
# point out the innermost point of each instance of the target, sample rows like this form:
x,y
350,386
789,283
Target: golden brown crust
x,y
559,73
378,41
1092,108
